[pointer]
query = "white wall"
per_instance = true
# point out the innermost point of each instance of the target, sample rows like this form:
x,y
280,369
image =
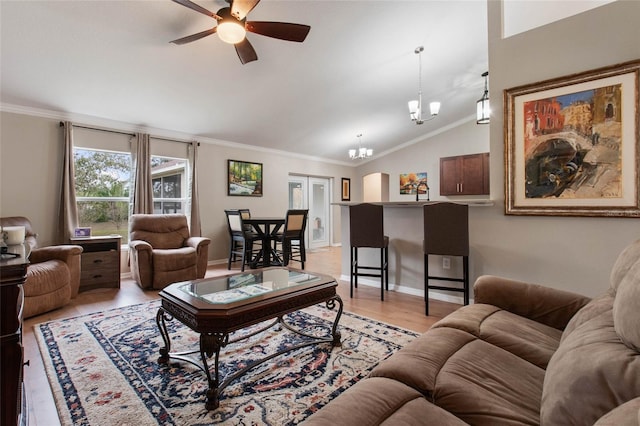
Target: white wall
x,y
30,174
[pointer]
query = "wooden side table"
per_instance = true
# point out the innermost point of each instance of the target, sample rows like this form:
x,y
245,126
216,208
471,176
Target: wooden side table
x,y
100,262
13,273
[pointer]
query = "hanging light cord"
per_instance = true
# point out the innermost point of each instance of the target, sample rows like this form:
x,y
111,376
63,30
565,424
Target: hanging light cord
x,y
418,51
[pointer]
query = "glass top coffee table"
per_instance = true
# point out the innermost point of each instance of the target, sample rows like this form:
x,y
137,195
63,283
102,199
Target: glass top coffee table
x,y
216,307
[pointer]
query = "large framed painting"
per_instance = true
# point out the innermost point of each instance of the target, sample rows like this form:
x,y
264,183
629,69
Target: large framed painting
x,y
572,145
244,178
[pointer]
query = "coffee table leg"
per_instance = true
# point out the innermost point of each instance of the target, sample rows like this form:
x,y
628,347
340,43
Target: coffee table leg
x,y
210,345
331,303
161,319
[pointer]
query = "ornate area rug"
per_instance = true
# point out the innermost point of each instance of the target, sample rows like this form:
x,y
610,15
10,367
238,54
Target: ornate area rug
x,y
103,369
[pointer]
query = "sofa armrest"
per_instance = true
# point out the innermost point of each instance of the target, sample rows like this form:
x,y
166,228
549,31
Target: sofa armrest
x,y
141,259
197,242
201,244
62,252
67,253
545,305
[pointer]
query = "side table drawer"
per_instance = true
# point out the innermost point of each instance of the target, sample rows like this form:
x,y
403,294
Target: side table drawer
x,y
100,268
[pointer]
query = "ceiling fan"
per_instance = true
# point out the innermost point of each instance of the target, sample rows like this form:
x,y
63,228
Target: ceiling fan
x,y
232,26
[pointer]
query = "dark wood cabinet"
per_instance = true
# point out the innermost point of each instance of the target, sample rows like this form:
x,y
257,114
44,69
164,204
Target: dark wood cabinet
x,y
100,262
13,273
465,175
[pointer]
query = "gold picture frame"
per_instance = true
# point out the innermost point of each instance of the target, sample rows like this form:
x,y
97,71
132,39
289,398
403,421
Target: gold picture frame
x,y
572,145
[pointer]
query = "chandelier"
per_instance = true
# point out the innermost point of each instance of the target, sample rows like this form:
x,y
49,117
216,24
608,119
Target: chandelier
x,y
415,106
361,152
482,106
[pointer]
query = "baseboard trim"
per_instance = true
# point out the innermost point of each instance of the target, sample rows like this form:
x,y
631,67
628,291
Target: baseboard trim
x,y
433,294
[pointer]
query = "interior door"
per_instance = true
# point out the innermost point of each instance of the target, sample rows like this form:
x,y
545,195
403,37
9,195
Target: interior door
x,y
312,193
318,212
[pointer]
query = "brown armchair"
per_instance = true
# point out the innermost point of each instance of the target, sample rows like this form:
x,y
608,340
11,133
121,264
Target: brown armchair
x,y
161,250
53,274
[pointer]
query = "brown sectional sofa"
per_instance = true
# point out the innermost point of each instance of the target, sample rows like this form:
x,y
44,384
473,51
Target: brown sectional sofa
x,y
523,354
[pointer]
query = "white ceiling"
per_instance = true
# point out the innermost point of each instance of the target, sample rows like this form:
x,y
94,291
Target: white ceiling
x,y
354,73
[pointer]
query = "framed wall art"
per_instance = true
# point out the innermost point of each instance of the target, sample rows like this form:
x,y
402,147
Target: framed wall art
x,y
244,178
572,145
412,182
346,189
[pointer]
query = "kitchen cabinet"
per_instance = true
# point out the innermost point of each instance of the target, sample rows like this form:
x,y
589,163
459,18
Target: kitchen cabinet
x,y
465,174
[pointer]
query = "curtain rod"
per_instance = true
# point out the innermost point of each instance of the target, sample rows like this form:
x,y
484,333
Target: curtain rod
x,y
123,133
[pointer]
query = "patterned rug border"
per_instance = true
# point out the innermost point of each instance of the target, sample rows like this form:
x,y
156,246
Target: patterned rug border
x,y
56,368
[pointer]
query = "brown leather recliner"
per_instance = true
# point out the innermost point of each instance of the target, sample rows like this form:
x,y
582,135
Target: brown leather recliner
x,y
53,274
161,250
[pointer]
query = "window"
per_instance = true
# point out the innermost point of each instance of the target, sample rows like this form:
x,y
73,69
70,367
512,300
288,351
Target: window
x,y
168,176
102,181
104,174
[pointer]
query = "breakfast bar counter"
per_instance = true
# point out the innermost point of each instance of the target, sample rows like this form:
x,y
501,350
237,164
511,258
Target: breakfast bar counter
x,y
403,224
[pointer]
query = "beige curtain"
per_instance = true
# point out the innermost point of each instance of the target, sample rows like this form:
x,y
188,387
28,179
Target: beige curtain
x,y
68,216
142,194
196,230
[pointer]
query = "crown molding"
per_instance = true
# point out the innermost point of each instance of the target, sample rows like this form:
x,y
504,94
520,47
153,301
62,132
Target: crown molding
x,y
99,122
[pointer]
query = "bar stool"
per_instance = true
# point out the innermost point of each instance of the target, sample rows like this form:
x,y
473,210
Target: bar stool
x,y
367,230
446,233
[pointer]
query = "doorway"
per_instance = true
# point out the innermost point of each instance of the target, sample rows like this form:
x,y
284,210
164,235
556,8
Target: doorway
x,y
313,193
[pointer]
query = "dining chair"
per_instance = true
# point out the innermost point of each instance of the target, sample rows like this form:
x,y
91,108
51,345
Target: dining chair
x,y
291,239
446,233
243,242
366,225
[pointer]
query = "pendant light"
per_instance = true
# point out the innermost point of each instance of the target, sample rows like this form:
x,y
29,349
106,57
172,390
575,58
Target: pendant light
x,y
362,152
415,106
482,106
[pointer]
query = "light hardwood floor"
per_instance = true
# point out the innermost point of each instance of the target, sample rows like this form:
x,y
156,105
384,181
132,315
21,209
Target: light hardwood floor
x,y
398,309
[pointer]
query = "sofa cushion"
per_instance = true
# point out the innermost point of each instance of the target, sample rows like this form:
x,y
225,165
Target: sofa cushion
x,y
627,414
626,308
168,231
629,257
472,379
591,373
593,309
528,339
418,363
380,401
174,259
485,385
46,277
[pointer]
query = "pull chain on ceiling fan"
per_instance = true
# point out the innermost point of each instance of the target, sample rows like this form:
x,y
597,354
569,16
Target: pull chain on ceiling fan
x,y
232,27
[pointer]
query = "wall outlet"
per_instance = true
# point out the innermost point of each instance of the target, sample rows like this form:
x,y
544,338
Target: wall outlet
x,y
446,263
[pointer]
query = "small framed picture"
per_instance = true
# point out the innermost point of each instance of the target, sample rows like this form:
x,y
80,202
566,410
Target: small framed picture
x,y
82,232
346,189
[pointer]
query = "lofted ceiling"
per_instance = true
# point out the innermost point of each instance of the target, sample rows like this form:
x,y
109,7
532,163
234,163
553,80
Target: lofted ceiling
x,y
353,74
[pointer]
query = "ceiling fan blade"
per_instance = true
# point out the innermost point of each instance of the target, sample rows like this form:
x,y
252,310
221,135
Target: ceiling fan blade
x,y
241,8
194,37
245,51
280,30
191,5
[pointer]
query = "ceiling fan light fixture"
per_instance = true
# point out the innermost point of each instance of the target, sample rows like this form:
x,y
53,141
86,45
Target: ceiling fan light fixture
x,y
231,31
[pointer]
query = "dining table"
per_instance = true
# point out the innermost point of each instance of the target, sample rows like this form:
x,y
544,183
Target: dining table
x,y
266,228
